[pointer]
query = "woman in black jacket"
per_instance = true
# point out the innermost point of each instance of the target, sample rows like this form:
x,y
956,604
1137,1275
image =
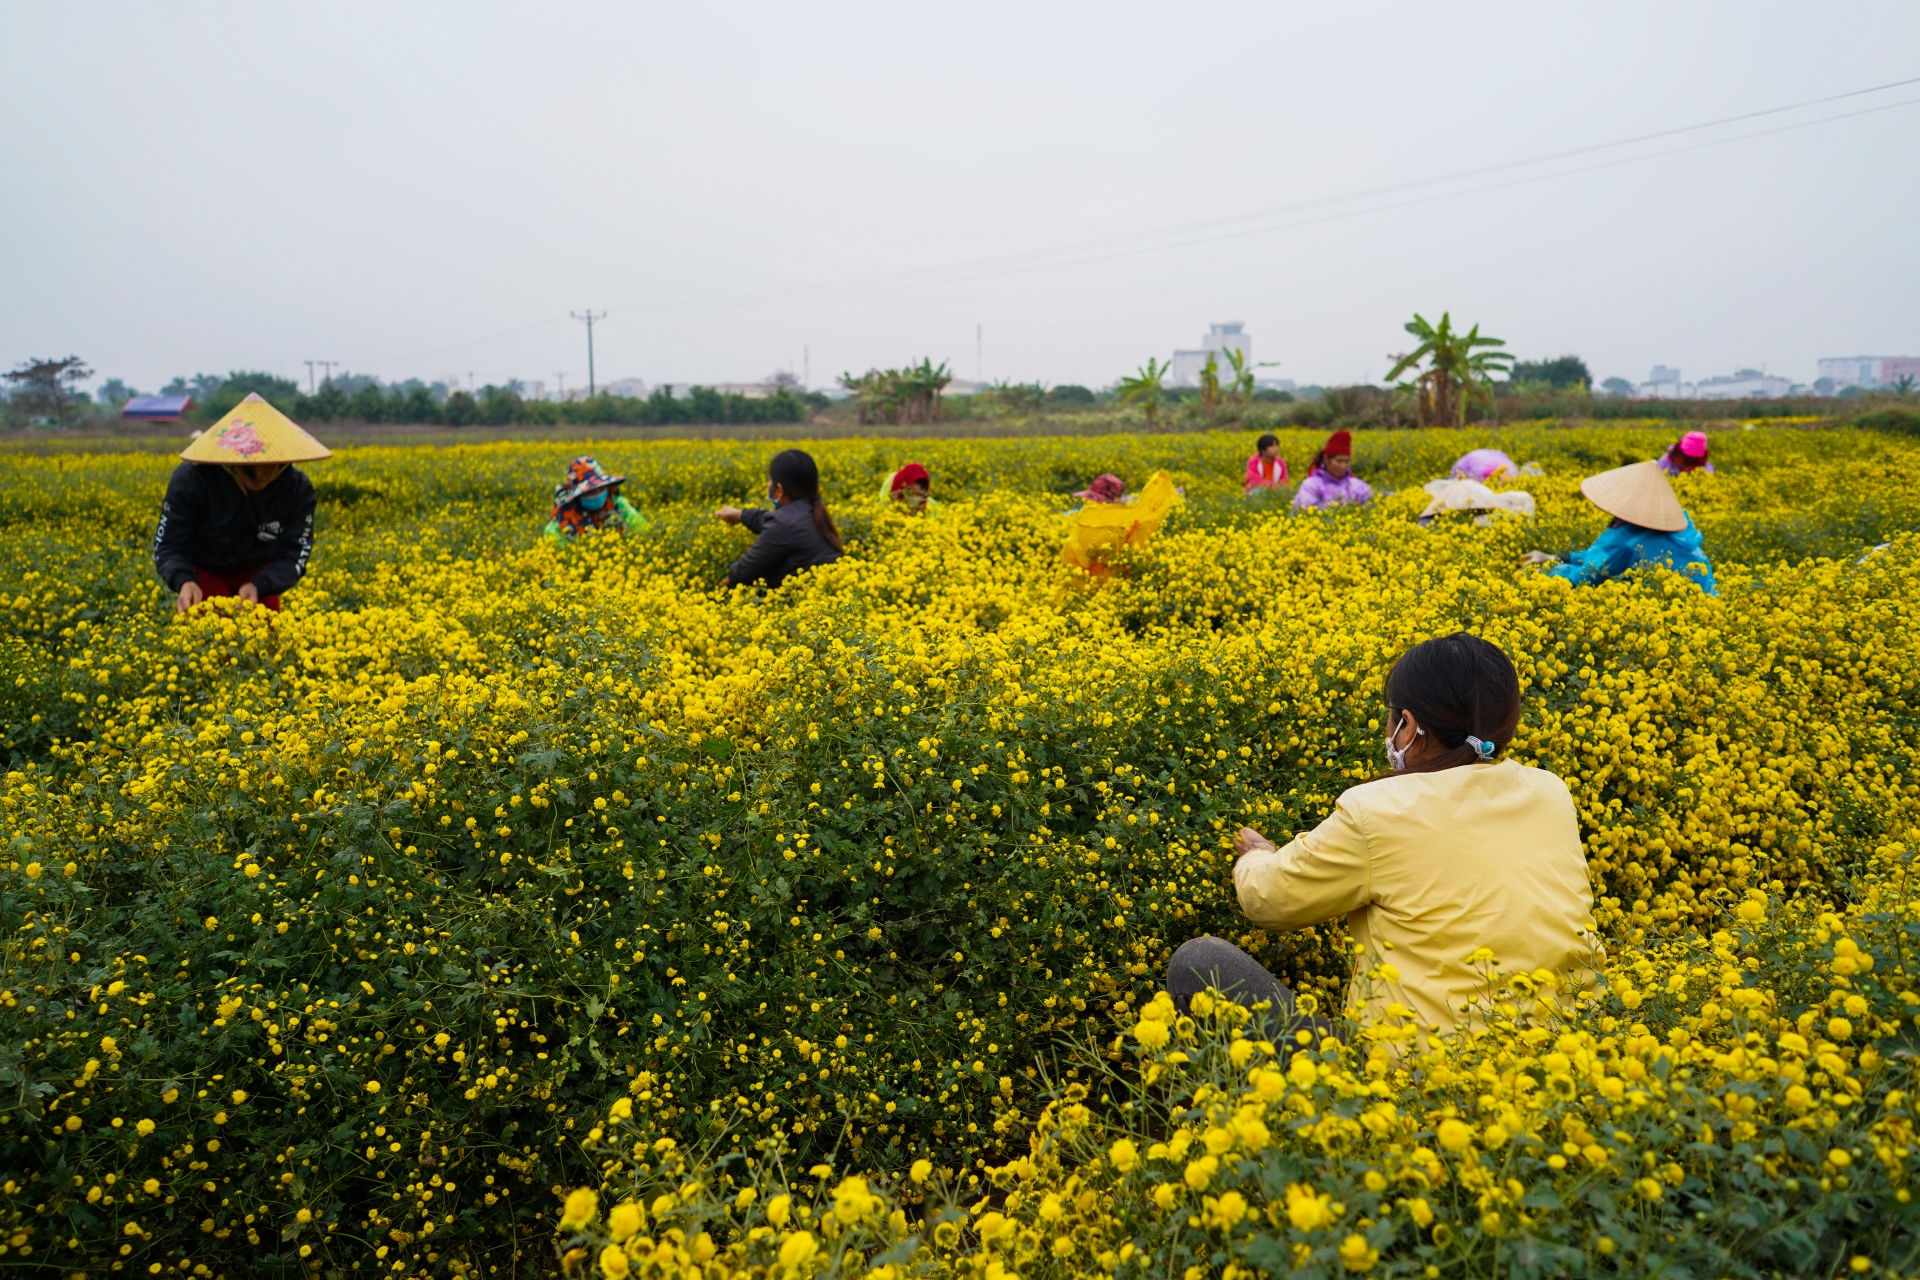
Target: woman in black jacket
x,y
797,534
238,517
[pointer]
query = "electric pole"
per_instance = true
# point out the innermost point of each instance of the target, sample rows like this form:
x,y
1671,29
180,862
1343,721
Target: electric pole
x,y
309,365
589,317
979,344
561,380
329,366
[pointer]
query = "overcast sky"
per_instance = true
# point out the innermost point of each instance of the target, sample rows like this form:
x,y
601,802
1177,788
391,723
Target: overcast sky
x,y
427,190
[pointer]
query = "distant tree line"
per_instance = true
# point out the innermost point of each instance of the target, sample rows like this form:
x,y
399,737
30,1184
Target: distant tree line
x,y
46,393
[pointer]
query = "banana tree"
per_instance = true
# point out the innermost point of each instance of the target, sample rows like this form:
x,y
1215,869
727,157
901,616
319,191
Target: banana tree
x,y
1144,389
1456,370
1210,385
1242,384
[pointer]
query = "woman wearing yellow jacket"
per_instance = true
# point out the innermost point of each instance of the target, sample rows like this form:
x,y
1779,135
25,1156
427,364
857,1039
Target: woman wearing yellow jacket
x,y
1456,850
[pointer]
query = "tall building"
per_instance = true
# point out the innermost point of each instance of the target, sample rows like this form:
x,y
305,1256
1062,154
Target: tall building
x,y
1221,338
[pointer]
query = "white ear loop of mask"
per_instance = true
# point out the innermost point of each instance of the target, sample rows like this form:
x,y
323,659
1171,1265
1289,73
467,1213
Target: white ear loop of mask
x,y
1397,756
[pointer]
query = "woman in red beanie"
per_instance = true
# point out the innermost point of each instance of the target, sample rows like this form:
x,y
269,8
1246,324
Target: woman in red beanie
x,y
911,487
1330,480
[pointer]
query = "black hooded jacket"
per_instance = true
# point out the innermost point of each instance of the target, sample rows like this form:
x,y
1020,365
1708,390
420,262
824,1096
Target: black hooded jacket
x,y
208,520
789,540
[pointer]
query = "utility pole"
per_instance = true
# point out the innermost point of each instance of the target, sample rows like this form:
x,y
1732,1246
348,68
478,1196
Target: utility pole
x,y
329,366
589,317
979,344
309,365
560,379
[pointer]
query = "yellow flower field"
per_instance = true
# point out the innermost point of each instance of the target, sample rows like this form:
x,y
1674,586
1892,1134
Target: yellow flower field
x,y
821,931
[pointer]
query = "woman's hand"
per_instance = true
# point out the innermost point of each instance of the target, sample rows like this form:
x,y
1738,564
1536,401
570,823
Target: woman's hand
x,y
190,595
729,514
1250,841
249,593
1538,557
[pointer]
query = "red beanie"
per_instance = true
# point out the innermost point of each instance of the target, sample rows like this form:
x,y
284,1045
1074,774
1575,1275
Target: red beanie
x,y
1338,443
912,473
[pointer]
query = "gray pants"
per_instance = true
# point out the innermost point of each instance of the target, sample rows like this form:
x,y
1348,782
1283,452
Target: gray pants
x,y
1214,962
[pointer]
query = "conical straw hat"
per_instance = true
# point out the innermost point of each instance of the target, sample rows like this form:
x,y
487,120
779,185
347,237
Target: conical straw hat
x,y
254,431
1638,494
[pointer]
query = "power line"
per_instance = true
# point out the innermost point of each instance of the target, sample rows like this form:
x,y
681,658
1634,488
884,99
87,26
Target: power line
x,y
1232,226
589,317
1042,257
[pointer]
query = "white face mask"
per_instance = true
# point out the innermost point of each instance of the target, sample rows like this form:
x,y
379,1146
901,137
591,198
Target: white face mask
x,y
1397,756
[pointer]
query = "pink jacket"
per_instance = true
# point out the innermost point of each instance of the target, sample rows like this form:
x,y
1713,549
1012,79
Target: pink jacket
x,y
1260,477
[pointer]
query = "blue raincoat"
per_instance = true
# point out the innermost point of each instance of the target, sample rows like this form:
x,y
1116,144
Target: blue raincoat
x,y
1623,546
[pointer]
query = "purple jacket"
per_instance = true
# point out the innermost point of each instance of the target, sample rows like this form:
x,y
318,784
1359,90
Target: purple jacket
x,y
1321,490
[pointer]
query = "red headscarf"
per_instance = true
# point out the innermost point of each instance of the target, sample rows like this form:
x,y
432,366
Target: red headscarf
x,y
1340,442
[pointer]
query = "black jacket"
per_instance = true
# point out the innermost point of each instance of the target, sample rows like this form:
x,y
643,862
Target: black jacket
x,y
207,520
788,541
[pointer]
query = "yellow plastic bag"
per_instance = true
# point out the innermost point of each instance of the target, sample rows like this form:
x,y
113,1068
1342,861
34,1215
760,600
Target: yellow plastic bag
x,y
1101,528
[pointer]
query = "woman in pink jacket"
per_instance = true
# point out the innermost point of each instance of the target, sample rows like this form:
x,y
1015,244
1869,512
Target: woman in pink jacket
x,y
1266,469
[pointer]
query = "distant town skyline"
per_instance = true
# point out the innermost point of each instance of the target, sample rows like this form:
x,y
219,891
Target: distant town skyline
x,y
423,192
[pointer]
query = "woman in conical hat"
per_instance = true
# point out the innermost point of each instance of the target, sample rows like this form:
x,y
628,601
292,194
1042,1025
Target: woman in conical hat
x,y
1648,528
238,517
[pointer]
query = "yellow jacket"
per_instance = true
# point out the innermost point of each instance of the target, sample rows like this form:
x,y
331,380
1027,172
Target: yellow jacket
x,y
1430,867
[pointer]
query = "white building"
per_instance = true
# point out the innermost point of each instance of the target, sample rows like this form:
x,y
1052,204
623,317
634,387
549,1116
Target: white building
x,y
750,390
1220,339
635,388
1745,384
1663,384
1868,372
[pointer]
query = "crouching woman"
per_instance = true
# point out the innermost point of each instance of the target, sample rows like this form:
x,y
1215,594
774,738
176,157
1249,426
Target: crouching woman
x,y
1456,849
798,533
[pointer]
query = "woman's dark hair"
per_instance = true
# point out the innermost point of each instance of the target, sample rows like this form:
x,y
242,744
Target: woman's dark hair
x,y
1456,686
794,472
1264,441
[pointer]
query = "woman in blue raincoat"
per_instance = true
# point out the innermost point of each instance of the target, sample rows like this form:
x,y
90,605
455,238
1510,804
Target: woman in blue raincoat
x,y
1649,527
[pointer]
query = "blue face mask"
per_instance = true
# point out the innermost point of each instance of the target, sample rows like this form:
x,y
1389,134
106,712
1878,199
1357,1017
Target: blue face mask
x,y
595,500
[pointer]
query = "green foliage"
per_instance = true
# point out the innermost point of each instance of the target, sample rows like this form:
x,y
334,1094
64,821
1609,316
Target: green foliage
x,y
1145,389
899,396
46,392
1566,373
1068,395
239,385
1457,369
1893,418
